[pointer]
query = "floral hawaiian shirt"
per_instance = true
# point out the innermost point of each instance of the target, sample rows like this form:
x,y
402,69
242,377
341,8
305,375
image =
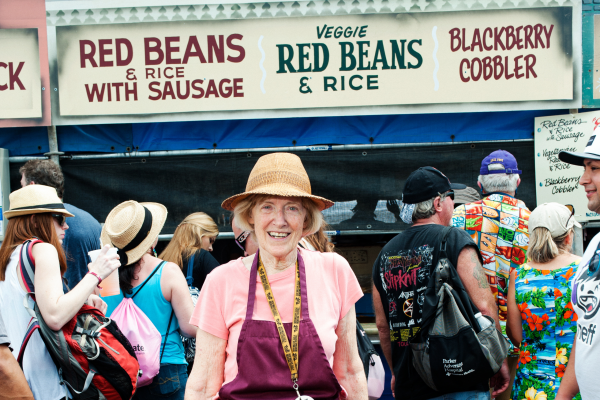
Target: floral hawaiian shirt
x,y
549,327
498,224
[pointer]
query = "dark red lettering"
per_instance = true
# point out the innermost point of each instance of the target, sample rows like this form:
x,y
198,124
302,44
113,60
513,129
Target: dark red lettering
x,y
454,35
242,53
120,60
529,66
237,88
169,49
196,86
87,56
193,50
95,92
103,52
152,88
217,49
152,45
463,73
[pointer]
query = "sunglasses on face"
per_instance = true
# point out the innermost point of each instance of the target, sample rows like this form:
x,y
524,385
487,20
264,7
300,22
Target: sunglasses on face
x,y
241,239
450,193
60,218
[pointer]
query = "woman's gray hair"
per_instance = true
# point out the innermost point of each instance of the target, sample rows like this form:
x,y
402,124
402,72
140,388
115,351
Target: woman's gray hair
x,y
425,209
498,182
243,211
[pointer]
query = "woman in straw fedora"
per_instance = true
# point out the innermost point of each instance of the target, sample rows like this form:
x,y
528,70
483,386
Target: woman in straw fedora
x,y
133,228
37,212
290,333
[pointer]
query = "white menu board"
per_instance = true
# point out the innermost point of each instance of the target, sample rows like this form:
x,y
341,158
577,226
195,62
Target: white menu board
x,y
557,181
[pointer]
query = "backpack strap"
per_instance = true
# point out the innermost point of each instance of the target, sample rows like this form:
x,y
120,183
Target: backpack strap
x,y
147,279
27,264
445,233
189,278
31,327
166,335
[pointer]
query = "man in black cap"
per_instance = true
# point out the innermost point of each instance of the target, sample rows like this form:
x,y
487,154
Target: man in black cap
x,y
582,368
401,274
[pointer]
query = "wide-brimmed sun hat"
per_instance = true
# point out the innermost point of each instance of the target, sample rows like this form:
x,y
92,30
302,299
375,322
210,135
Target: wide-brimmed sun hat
x,y
131,227
35,199
278,174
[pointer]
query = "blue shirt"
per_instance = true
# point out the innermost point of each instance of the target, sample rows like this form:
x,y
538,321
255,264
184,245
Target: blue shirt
x,y
158,310
82,236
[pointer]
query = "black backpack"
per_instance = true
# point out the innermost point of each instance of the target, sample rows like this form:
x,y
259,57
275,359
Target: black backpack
x,y
456,346
366,350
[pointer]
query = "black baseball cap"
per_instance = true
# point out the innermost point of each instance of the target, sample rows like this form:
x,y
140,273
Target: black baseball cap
x,y
426,183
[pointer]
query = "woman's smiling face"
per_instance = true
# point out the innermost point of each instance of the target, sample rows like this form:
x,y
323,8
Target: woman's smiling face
x,y
278,224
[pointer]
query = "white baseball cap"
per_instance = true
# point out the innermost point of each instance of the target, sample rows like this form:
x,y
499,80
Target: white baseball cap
x,y
555,217
592,151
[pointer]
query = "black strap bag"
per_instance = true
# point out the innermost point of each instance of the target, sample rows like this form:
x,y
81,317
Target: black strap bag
x,y
457,346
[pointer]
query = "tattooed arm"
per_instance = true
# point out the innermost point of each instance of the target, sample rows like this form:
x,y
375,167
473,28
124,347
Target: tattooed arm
x,y
475,282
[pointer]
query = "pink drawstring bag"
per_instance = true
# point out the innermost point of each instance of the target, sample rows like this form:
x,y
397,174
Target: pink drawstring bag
x,y
143,336
141,333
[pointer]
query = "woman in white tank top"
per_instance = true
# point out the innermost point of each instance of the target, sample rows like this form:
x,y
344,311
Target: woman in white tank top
x,y
36,211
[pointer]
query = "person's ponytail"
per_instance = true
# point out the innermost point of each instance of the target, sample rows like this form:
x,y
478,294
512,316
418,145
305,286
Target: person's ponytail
x,y
543,248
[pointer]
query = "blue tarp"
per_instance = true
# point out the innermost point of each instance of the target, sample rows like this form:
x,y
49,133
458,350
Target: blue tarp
x,y
278,132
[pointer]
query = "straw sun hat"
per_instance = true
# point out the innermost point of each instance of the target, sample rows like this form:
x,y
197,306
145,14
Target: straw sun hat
x,y
278,174
132,227
35,199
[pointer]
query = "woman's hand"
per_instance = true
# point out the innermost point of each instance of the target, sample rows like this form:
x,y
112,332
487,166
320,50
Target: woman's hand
x,y
98,303
105,264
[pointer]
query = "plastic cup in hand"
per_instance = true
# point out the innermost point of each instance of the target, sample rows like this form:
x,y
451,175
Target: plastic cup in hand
x,y
109,285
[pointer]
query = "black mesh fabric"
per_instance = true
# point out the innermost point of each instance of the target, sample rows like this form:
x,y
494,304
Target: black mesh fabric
x,y
359,181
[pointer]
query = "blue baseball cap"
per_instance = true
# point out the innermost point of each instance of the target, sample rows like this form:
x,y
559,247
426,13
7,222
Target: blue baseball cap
x,y
503,158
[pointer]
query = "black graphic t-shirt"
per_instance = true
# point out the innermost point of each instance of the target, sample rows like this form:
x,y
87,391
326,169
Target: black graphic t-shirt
x,y
401,274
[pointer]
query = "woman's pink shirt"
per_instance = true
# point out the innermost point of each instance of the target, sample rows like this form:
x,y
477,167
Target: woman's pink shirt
x,y
221,309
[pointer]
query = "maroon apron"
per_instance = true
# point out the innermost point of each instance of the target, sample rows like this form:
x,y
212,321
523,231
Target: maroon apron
x,y
263,372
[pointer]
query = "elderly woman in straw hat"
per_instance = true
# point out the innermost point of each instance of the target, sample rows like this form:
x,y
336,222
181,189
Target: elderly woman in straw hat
x,y
158,288
279,324
37,212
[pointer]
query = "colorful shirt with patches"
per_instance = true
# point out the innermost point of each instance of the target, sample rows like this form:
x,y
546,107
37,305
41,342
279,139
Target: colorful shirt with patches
x,y
549,326
498,224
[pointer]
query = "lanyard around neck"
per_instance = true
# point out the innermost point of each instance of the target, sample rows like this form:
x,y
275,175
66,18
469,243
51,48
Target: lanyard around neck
x,y
291,353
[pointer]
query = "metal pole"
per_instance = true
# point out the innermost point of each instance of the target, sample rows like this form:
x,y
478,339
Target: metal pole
x,y
54,154
346,147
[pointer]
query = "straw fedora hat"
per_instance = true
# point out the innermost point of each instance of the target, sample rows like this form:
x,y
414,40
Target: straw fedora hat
x,y
35,199
132,227
278,174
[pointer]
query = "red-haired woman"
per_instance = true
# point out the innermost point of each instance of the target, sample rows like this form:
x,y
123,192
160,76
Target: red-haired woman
x,y
37,212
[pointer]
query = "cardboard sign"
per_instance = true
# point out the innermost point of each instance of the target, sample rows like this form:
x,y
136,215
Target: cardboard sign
x,y
557,181
316,62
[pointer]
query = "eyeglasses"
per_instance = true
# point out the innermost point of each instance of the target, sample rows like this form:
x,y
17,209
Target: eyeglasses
x,y
61,219
450,193
241,239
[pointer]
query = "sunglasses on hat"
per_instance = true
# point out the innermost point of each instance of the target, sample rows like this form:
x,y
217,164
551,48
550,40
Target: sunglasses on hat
x,y
241,239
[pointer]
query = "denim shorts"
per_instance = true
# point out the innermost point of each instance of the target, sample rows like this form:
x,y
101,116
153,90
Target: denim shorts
x,y
470,395
169,384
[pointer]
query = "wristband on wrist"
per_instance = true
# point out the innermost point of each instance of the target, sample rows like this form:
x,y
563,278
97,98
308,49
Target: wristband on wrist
x,y
97,276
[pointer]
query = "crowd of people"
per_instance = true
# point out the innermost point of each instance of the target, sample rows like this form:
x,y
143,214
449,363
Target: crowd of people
x,y
469,276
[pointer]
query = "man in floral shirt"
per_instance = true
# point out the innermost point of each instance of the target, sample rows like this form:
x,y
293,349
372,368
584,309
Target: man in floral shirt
x,y
498,224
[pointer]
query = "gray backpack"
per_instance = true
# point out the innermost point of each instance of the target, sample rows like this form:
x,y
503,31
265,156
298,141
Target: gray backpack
x,y
457,346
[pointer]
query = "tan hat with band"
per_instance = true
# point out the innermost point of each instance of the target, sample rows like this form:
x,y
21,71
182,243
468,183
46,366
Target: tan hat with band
x,y
132,227
278,174
35,199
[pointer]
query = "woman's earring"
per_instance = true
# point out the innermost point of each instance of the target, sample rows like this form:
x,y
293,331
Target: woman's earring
x,y
154,251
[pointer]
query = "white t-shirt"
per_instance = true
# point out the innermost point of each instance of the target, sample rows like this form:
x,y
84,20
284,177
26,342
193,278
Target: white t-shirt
x,y
38,367
585,297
